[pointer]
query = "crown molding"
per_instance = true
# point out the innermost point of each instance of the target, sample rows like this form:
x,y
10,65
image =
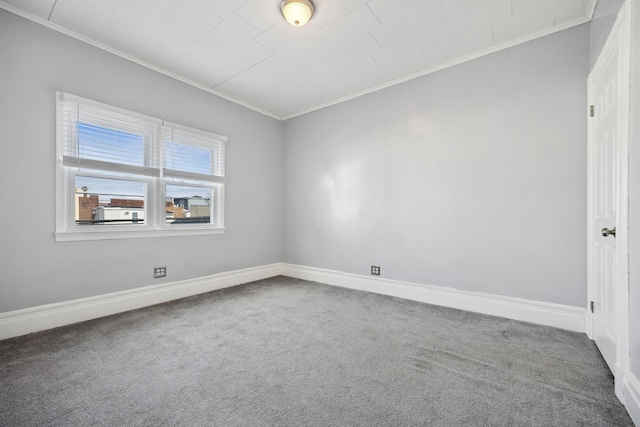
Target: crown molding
x,y
131,58
588,15
449,64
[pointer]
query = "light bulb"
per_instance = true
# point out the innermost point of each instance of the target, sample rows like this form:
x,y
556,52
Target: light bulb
x,y
297,12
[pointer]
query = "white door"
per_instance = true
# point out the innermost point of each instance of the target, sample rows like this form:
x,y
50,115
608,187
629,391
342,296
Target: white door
x,y
604,153
608,89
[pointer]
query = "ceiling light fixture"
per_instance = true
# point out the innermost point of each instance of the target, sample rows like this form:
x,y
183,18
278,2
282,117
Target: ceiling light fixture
x,y
297,12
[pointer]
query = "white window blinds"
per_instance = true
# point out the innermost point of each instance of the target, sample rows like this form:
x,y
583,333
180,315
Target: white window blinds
x,y
191,155
109,159
105,138
96,138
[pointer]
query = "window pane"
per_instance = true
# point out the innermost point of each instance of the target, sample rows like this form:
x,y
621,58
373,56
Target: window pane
x,y
188,205
106,201
110,145
187,158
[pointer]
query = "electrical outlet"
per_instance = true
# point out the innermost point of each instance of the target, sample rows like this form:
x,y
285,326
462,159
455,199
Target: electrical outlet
x,y
159,272
375,270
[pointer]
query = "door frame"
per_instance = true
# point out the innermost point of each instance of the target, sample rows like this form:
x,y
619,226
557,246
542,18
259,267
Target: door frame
x,y
619,39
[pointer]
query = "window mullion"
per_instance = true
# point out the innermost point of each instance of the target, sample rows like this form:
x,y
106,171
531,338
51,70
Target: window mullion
x,y
161,220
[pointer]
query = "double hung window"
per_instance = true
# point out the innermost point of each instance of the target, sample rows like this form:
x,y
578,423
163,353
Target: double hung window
x,y
123,174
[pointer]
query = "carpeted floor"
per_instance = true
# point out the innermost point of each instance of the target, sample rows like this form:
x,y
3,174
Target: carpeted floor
x,y
285,352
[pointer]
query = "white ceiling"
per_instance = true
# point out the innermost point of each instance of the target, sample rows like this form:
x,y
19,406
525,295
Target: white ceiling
x,y
245,51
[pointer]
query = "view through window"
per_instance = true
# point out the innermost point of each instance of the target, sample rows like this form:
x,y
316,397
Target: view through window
x,y
120,171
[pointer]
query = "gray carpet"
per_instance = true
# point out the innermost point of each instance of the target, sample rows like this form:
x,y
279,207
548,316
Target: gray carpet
x,y
285,352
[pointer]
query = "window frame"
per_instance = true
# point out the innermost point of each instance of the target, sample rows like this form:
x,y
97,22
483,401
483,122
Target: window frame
x,y
155,187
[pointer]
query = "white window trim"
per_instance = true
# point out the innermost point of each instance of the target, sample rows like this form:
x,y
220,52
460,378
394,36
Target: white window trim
x,y
155,225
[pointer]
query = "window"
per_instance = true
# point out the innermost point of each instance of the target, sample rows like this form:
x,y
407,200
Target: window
x,y
122,174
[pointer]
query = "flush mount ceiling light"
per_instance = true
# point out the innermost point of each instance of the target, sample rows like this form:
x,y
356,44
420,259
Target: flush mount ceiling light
x,y
297,12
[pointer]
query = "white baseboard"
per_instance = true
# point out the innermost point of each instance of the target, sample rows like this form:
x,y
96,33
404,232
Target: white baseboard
x,y
549,314
632,397
34,319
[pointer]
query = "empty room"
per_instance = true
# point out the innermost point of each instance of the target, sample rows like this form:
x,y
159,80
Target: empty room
x,y
320,212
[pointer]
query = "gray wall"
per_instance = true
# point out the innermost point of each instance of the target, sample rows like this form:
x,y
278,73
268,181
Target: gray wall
x,y
34,269
603,19
472,177
634,192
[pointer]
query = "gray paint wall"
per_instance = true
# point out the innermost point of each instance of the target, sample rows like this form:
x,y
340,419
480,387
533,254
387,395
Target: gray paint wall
x,y
472,177
493,205
634,193
34,269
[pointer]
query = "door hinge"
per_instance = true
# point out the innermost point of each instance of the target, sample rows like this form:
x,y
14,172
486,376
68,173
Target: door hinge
x,y
591,306
592,111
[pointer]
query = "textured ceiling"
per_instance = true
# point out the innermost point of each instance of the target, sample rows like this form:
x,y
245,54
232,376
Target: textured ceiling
x,y
245,51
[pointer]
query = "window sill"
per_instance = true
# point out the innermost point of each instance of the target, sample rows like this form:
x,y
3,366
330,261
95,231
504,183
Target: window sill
x,y
76,236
